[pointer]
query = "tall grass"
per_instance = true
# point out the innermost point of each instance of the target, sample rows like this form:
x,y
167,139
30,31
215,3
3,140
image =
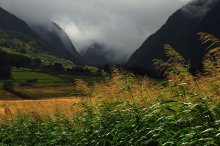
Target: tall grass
x,y
122,123
131,110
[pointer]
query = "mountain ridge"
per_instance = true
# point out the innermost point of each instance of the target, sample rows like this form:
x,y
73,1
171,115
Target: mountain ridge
x,y
94,55
58,39
180,31
58,42
12,22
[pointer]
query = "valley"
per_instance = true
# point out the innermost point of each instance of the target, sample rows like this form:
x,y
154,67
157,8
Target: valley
x,y
53,93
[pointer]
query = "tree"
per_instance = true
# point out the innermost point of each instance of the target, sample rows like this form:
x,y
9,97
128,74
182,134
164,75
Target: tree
x,y
58,66
36,63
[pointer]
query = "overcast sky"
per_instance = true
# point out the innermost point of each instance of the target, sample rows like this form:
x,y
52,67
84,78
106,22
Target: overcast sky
x,y
122,25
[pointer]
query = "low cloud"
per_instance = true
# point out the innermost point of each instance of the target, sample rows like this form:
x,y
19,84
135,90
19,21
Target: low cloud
x,y
198,8
122,25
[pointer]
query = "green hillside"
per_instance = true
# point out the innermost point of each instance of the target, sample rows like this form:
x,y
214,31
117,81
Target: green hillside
x,y
28,70
16,44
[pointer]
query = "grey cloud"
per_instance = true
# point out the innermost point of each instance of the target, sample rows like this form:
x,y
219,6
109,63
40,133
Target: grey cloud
x,y
198,8
122,25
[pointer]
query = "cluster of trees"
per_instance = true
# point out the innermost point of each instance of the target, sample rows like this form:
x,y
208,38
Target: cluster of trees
x,y
14,59
8,60
53,67
19,42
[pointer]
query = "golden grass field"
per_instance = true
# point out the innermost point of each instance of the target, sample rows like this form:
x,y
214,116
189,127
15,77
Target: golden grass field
x,y
38,109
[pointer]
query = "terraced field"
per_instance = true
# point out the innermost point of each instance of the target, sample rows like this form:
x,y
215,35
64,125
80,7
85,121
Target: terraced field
x,y
41,85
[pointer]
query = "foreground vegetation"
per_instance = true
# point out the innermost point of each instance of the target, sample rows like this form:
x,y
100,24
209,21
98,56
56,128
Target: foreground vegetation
x,y
161,124
130,110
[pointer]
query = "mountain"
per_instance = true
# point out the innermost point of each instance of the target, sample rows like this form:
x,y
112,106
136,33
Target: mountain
x,y
20,51
95,55
51,37
180,31
59,41
11,22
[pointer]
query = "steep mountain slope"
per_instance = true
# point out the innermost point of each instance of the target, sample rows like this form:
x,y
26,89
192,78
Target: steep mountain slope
x,y
211,22
59,41
51,37
180,31
11,22
94,55
20,51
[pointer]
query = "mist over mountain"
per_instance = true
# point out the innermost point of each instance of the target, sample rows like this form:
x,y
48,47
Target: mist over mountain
x,y
11,22
59,41
120,25
49,34
198,8
180,31
93,55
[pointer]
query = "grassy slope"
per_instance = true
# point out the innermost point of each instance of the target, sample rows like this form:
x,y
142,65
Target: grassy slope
x,y
17,43
46,58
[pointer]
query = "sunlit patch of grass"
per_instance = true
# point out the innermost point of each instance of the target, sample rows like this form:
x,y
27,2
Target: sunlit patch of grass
x,y
12,109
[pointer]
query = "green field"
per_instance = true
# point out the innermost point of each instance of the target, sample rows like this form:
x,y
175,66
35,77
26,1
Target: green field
x,y
40,85
22,75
